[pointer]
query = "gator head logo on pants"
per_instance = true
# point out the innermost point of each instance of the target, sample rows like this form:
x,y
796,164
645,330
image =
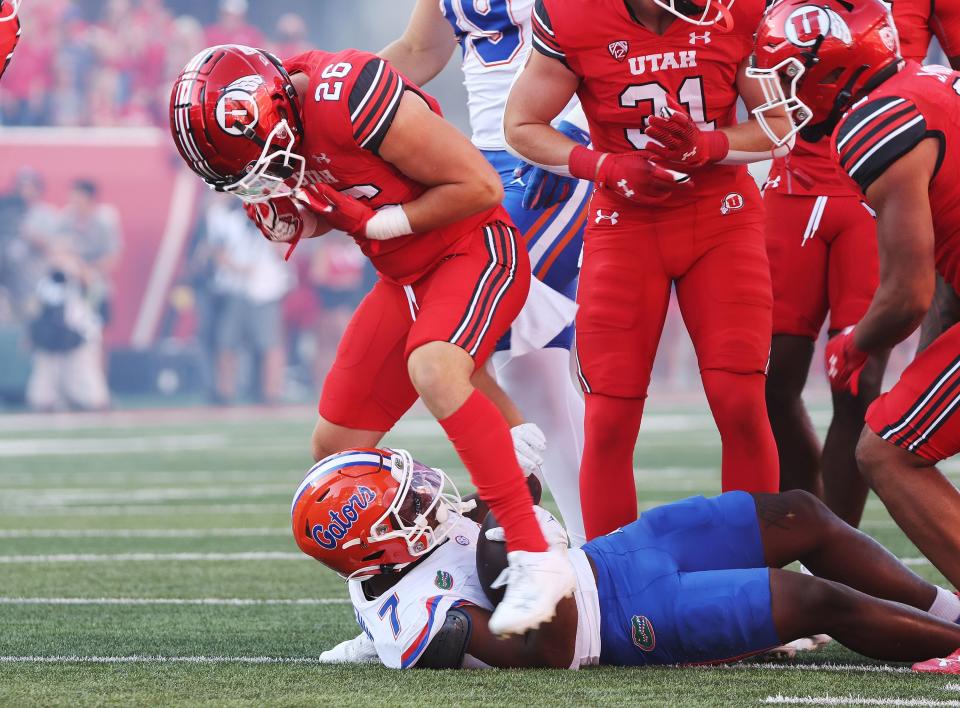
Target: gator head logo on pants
x,y
641,631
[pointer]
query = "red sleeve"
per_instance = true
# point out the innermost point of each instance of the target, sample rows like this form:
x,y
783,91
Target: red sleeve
x,y
946,25
544,38
877,134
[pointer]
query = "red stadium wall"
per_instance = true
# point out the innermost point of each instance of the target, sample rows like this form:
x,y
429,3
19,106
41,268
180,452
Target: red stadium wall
x,y
138,172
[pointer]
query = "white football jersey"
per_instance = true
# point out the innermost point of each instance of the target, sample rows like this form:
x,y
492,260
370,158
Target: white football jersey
x,y
402,622
495,36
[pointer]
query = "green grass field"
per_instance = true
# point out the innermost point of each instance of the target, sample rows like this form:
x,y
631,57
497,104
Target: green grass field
x,y
147,560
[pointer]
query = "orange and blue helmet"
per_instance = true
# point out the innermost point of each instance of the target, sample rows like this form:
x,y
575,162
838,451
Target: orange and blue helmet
x,y
365,512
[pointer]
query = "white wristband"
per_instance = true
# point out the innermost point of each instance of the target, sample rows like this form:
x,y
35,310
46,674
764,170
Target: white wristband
x,y
389,222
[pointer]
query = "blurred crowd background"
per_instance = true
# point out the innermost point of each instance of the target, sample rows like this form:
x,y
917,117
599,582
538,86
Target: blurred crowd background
x,y
123,281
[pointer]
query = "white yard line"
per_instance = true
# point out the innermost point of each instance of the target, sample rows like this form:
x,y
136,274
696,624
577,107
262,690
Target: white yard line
x,y
109,446
155,509
143,533
75,497
150,557
952,687
828,667
147,659
215,601
854,701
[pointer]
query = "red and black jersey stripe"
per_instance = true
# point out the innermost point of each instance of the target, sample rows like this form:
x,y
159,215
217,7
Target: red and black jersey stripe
x,y
499,275
373,103
877,134
932,409
544,38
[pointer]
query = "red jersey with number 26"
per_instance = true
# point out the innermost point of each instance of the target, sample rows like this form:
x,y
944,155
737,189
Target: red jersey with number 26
x,y
919,102
351,102
627,72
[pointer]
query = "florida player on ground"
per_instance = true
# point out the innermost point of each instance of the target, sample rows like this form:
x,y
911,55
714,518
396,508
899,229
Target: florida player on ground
x,y
691,582
367,152
549,210
898,135
632,64
9,31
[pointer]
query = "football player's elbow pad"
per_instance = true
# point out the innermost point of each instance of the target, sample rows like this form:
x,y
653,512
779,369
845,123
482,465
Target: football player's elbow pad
x,y
742,157
448,647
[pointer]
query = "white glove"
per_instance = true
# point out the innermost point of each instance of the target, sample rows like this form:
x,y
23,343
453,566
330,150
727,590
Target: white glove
x,y
359,650
552,529
528,442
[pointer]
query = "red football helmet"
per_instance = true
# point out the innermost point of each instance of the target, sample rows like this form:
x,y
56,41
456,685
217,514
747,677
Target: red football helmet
x,y
9,9
9,31
367,512
814,59
710,13
235,118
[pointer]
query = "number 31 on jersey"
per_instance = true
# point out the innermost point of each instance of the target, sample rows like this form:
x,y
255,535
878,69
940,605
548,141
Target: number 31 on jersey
x,y
653,97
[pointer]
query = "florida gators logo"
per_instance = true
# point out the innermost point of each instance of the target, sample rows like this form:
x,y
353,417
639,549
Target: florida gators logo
x,y
444,580
641,631
342,521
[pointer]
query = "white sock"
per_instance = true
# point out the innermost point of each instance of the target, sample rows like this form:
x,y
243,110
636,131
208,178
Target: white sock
x,y
945,605
541,385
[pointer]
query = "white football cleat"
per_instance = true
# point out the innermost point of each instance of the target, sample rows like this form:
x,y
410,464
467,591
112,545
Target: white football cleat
x,y
535,582
359,650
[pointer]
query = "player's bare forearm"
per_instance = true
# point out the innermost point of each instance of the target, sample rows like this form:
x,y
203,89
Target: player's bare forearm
x,y
540,93
426,45
429,150
748,137
549,646
905,240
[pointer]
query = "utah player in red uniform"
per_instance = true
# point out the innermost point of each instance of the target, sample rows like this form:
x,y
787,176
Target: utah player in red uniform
x,y
895,131
9,31
632,63
344,141
821,240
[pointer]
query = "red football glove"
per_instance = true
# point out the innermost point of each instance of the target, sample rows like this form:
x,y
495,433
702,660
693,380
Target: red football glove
x,y
844,362
682,144
278,219
631,175
339,210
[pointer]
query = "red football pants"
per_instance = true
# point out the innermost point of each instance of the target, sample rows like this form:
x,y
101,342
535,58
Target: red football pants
x,y
715,257
823,256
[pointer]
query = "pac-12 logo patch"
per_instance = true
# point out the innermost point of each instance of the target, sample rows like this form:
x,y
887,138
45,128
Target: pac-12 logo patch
x,y
641,631
444,580
237,108
619,49
731,202
463,540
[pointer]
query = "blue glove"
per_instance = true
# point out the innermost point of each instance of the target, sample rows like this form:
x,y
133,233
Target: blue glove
x,y
544,189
